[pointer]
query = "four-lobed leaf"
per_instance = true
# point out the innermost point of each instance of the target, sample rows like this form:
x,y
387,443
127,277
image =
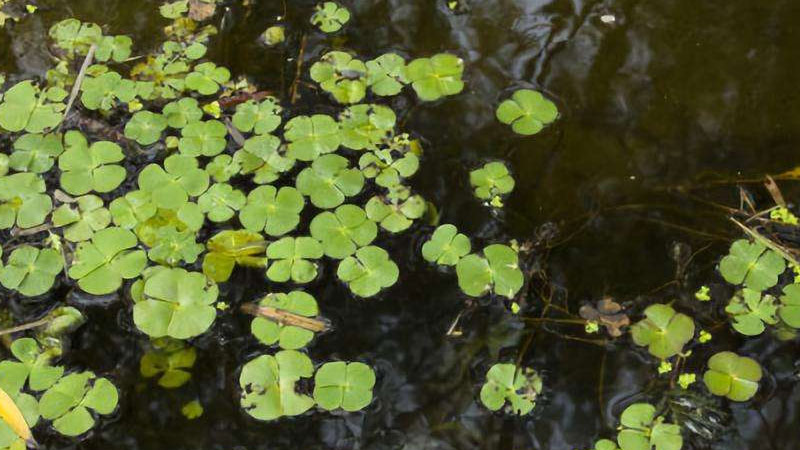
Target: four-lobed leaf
x,y
82,219
732,376
752,264
290,259
751,311
368,271
329,180
289,337
330,17
446,246
663,330
172,185
527,111
436,77
345,385
274,211
506,383
343,231
269,383
86,168
111,256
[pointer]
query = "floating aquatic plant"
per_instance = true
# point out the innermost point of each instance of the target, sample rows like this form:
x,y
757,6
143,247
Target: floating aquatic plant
x,y
368,271
641,429
81,220
663,331
497,270
343,385
268,385
330,17
270,331
527,111
446,246
506,383
752,264
436,77
751,311
732,376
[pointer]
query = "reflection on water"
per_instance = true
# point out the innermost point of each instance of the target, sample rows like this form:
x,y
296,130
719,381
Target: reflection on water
x,y
667,94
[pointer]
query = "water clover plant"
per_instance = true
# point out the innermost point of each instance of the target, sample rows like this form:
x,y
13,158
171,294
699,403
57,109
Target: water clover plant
x,y
81,221
181,113
231,247
732,376
69,402
751,311
132,209
752,264
789,309
203,138
368,271
35,152
259,118
446,246
343,231
172,185
341,75
395,216
106,90
518,386
273,211
23,201
663,330
527,111
222,168
436,77
207,78
111,256
388,168
290,259
221,201
343,385
268,385
330,17
329,181
173,246
26,108
289,337
31,271
264,158
32,366
386,74
169,360
366,126
642,430
497,270
176,303
312,136
86,168
491,181
145,127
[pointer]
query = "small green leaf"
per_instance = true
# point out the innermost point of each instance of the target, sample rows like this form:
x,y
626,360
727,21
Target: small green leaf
x,y
527,111
436,77
446,246
663,330
368,271
733,376
330,17
344,385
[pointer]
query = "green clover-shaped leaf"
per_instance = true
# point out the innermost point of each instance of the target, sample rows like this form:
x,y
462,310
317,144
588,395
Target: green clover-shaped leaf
x,y
527,111
145,127
388,167
491,180
344,385
117,48
290,259
231,247
182,112
330,17
310,137
732,376
436,77
221,201
789,310
750,311
341,75
101,264
82,222
87,168
259,118
69,401
269,383
222,168
343,231
276,212
641,430
35,153
395,216
386,74
446,246
23,107
264,157
203,138
170,362
366,126
663,330
329,181
290,337
368,271
206,78
505,382
173,246
753,264
176,303
104,91
32,365
133,209
172,185
22,201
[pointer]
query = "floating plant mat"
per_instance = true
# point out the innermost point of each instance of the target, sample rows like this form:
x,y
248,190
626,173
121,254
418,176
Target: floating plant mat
x,y
246,223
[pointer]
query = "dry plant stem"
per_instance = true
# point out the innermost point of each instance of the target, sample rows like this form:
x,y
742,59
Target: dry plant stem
x,y
30,231
286,318
293,96
237,137
26,326
76,88
765,241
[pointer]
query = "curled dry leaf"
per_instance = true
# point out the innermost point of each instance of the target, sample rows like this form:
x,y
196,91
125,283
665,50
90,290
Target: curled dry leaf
x,y
607,313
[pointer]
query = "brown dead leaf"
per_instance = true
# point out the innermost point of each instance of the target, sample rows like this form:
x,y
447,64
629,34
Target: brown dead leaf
x,y
774,191
200,10
608,314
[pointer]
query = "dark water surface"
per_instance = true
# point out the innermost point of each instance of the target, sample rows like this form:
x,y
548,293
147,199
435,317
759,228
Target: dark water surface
x,y
668,98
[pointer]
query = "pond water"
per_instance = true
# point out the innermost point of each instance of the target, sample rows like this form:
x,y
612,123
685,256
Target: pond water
x,y
663,109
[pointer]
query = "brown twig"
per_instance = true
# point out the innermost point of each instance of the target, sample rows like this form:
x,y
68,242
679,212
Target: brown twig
x,y
235,134
293,96
25,326
286,318
767,242
76,88
30,231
